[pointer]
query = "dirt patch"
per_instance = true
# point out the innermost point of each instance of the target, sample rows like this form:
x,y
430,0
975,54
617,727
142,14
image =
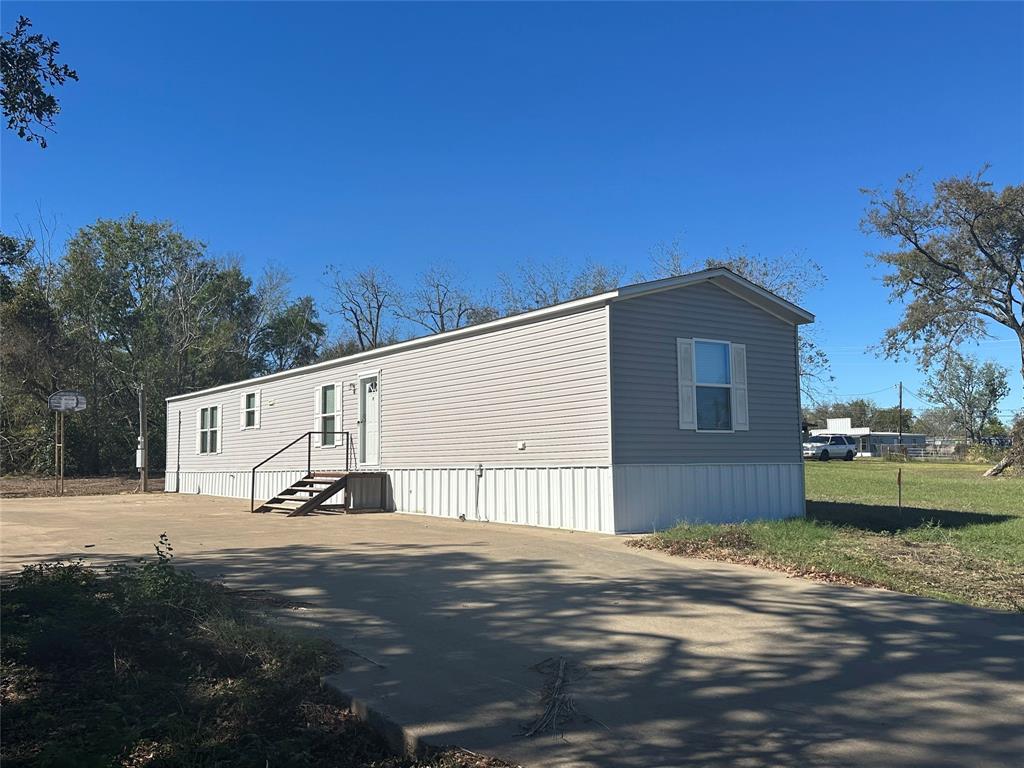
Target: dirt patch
x,y
33,486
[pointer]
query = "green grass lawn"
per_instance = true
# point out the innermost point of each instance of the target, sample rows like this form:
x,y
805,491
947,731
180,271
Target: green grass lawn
x,y
959,536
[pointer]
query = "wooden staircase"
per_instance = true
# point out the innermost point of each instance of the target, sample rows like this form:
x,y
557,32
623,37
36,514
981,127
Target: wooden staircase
x,y
307,494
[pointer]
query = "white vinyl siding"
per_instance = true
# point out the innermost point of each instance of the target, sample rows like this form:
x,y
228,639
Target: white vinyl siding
x,y
461,402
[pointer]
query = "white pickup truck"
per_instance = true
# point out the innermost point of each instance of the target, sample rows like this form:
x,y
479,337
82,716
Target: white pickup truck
x,y
825,447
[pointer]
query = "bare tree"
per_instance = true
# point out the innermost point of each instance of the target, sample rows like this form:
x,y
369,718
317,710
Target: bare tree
x,y
439,302
540,285
364,301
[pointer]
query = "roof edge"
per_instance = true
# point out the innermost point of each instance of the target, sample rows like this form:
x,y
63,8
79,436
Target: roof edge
x,y
719,276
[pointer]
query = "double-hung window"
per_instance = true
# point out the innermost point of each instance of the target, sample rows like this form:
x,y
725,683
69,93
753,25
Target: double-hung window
x,y
712,377
327,414
209,429
712,385
249,409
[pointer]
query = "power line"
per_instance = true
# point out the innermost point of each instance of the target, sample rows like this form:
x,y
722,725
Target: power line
x,y
865,394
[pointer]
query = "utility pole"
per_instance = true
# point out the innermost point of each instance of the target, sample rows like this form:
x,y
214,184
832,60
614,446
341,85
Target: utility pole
x,y
899,416
142,460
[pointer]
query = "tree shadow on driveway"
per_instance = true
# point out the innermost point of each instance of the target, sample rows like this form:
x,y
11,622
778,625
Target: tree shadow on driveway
x,y
690,663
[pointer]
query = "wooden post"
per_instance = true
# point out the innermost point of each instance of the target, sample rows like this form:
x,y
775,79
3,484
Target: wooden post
x,y
143,438
56,453
62,453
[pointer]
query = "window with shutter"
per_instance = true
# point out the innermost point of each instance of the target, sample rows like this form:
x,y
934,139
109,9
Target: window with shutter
x,y
712,385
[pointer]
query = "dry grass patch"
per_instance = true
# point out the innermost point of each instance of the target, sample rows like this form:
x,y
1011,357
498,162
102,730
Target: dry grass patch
x,y
958,537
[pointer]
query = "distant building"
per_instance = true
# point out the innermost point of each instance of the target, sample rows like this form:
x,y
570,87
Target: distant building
x,y
869,443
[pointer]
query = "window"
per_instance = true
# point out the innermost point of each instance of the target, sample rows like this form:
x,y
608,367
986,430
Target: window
x,y
249,409
328,423
209,429
713,380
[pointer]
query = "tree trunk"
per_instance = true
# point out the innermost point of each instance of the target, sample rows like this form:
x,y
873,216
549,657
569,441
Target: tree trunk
x,y
1006,461
1014,456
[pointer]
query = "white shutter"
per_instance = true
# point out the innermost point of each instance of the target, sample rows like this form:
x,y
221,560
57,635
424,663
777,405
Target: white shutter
x,y
220,428
316,417
241,411
199,412
684,366
740,413
259,407
339,414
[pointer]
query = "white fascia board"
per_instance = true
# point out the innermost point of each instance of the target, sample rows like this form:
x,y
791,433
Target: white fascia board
x,y
729,281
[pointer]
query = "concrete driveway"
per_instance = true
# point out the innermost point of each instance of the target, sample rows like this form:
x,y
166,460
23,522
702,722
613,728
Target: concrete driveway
x,y
673,662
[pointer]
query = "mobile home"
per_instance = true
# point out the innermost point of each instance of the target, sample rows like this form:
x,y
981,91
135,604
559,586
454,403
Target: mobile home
x,y
630,410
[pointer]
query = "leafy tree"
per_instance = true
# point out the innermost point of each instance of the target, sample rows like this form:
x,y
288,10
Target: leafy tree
x,y
972,390
889,419
291,338
958,264
791,277
29,67
36,358
994,427
938,422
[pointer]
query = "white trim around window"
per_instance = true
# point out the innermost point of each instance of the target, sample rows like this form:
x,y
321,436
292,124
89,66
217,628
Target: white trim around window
x,y
209,430
696,385
327,414
249,409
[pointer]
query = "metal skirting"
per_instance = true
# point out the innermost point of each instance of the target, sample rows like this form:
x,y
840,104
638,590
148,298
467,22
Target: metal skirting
x,y
235,484
579,498
631,498
657,496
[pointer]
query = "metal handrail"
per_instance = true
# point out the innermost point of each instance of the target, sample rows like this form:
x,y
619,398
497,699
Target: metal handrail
x,y
309,456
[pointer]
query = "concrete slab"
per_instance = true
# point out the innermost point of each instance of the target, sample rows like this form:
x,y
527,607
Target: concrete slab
x,y
673,662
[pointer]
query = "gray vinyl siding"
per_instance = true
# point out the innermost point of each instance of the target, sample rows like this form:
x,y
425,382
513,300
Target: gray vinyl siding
x,y
645,406
461,401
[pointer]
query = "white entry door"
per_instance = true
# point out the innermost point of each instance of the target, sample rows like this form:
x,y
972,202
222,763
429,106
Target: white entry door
x,y
369,420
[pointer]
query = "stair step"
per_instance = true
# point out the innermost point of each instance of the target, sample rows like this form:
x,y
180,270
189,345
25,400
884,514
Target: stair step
x,y
280,507
335,475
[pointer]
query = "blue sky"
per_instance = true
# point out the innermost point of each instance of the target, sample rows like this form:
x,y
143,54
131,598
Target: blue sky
x,y
482,134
